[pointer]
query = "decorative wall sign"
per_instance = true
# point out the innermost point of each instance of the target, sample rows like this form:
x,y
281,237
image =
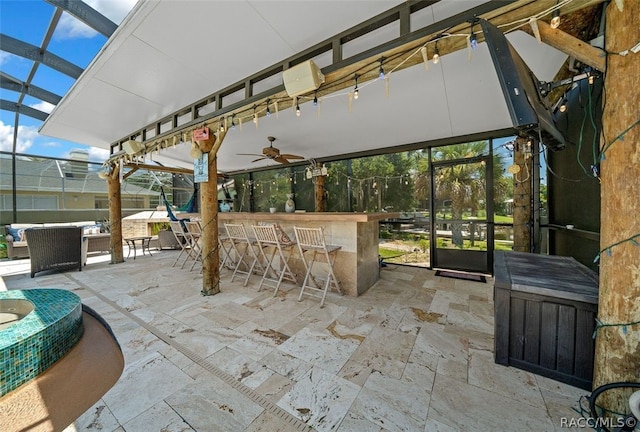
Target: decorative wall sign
x,y
201,169
201,134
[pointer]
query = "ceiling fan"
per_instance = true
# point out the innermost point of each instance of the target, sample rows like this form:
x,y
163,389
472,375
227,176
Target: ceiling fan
x,y
272,153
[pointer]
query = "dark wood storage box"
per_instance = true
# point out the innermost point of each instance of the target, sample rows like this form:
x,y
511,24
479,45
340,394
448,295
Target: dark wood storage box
x,y
545,311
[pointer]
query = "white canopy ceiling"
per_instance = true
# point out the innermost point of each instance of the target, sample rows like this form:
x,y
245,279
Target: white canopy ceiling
x,y
166,55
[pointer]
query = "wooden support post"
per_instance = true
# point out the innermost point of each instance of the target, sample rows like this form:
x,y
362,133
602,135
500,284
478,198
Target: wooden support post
x,y
522,216
320,193
209,213
617,356
115,216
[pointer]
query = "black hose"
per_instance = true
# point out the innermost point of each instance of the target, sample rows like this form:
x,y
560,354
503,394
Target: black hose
x,y
599,390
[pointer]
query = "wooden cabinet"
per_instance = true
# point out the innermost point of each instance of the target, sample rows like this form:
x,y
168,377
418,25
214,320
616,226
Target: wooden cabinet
x,y
545,311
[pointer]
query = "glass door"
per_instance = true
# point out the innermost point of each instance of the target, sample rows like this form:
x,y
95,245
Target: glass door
x,y
462,216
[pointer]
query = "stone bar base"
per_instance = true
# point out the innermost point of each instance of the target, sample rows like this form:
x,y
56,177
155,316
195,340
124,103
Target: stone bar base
x,y
356,265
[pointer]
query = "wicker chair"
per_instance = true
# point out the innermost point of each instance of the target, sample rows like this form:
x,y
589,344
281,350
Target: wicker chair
x,y
54,248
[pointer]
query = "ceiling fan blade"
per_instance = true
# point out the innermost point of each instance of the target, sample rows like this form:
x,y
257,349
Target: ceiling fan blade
x,y
281,159
291,156
259,159
248,154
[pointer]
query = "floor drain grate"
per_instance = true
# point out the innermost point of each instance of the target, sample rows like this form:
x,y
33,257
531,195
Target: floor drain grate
x,y
235,384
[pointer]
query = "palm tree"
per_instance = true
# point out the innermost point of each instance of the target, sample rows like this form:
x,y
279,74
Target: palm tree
x,y
462,184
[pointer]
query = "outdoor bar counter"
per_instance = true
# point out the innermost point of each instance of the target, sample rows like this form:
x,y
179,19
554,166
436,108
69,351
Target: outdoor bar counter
x,y
356,266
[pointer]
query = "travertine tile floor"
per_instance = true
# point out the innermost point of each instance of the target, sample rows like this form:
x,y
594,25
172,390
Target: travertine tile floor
x,y
414,353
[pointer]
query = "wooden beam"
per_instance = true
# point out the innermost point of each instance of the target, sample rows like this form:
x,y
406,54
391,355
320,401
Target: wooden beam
x,y
573,47
173,170
134,168
159,168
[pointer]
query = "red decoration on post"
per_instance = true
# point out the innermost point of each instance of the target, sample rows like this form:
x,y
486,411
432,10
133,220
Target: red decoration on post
x,y
201,134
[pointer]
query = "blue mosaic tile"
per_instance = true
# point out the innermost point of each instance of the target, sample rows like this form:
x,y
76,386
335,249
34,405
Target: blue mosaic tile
x,y
31,345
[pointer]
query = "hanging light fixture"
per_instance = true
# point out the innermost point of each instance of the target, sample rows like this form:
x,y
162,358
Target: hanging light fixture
x,y
297,107
381,71
315,99
223,121
233,123
436,54
555,20
268,113
355,89
473,40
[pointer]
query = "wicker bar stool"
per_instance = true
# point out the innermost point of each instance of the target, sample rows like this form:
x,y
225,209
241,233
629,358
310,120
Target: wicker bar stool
x,y
312,240
244,250
282,248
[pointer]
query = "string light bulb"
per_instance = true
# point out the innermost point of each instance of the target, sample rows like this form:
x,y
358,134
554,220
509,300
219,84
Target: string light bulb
x,y
355,90
473,39
555,20
222,124
315,99
297,108
268,113
255,116
233,123
381,71
436,54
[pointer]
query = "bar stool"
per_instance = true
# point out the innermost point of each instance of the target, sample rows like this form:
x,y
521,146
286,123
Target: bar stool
x,y
183,241
281,246
243,248
225,248
193,233
312,240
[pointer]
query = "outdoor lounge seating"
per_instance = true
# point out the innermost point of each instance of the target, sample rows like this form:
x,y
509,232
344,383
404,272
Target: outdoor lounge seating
x,y
17,243
55,248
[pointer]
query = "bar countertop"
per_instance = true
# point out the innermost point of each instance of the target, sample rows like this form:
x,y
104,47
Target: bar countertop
x,y
306,216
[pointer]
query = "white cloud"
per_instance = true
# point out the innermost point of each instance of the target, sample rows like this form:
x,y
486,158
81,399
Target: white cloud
x,y
26,136
43,106
97,154
70,28
115,10
4,57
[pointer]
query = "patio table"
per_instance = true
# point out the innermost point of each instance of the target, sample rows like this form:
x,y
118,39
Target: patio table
x,y
144,241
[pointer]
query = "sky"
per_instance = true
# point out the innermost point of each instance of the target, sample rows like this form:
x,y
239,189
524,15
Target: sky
x,y
28,20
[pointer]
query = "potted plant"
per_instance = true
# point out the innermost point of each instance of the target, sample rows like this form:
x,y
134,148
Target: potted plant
x,y
272,204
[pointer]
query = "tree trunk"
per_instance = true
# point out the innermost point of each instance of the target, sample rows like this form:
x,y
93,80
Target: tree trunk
x,y
522,216
115,216
617,356
209,215
321,196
